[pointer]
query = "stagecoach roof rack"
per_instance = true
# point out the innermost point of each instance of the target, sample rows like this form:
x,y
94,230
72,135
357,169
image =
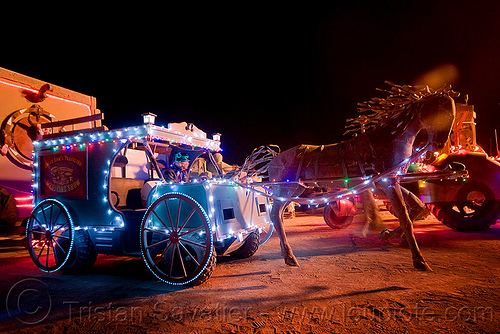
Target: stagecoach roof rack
x,y
178,134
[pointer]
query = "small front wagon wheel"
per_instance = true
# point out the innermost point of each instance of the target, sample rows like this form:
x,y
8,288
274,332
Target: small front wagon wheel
x,y
176,240
49,233
335,221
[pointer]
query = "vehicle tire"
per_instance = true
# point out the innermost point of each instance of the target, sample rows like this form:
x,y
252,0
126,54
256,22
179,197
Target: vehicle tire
x,y
436,211
334,221
474,210
177,241
249,247
205,275
82,256
8,211
50,235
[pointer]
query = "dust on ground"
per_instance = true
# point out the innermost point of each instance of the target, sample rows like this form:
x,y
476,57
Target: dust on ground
x,y
346,283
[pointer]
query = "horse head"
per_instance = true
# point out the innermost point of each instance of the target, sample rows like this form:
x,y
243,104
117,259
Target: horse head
x,y
436,115
409,109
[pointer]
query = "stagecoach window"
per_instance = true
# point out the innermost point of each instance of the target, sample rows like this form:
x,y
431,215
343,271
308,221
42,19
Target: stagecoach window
x,y
262,208
228,213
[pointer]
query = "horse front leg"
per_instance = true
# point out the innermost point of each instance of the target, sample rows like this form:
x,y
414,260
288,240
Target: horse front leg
x,y
393,192
277,219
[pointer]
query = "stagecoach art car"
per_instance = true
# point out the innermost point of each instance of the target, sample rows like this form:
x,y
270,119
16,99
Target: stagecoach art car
x,y
104,192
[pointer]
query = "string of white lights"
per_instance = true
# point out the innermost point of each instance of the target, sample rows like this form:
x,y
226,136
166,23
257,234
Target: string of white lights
x,y
367,182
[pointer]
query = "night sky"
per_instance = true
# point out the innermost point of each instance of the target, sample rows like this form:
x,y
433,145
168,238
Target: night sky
x,y
259,73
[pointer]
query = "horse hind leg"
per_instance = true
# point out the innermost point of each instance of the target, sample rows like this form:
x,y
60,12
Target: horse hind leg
x,y
277,219
372,214
395,195
387,234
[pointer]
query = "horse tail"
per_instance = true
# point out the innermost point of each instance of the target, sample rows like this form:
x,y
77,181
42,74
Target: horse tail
x,y
257,163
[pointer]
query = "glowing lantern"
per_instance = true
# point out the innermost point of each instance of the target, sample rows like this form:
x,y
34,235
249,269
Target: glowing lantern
x,y
216,136
149,118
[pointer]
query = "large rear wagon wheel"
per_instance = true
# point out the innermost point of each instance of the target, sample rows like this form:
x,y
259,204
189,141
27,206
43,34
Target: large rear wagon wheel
x,y
50,234
177,241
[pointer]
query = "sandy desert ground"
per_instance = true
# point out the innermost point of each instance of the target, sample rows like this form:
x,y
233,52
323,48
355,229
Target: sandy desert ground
x,y
346,283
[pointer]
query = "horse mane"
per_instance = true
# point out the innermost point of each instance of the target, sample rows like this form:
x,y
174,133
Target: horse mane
x,y
399,101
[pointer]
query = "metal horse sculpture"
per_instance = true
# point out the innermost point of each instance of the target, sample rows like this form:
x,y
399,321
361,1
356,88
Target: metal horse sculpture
x,y
392,124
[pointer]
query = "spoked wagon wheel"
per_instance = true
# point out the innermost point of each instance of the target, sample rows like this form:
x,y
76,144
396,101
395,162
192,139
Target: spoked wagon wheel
x,y
177,241
50,235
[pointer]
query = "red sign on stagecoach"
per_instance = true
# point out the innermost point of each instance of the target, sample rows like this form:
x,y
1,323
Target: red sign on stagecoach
x,y
64,174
